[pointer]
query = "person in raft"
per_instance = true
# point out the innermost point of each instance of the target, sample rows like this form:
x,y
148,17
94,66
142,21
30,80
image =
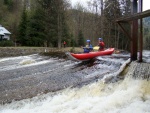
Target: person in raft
x,y
101,44
88,47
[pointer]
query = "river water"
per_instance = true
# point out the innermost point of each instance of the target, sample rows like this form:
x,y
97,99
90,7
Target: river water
x,y
126,95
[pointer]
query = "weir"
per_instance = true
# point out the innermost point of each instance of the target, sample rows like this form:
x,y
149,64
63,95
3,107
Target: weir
x,y
27,76
95,97
140,70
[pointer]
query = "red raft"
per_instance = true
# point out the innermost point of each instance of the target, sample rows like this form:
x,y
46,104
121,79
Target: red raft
x,y
90,55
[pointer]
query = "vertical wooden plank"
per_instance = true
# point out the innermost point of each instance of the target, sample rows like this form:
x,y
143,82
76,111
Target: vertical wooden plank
x,y
141,32
134,32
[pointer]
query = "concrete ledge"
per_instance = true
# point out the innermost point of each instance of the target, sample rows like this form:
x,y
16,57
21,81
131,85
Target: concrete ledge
x,y
17,51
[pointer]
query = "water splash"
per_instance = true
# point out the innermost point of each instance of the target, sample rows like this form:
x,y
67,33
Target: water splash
x,y
11,63
27,61
121,97
125,96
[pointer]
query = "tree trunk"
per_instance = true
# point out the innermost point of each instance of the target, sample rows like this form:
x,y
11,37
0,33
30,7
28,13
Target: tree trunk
x,y
102,28
59,31
118,40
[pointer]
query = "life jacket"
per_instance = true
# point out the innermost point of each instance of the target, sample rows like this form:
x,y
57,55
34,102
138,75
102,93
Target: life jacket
x,y
88,48
101,45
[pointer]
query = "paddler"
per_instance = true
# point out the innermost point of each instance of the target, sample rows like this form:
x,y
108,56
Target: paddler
x,y
101,44
88,47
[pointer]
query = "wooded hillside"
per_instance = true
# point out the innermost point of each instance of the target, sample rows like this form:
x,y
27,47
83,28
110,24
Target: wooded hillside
x,y
50,22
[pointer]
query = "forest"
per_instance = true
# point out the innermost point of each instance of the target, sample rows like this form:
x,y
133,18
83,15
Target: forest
x,y
47,23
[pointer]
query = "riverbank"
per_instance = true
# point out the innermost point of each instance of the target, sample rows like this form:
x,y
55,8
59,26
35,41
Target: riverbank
x,y
21,51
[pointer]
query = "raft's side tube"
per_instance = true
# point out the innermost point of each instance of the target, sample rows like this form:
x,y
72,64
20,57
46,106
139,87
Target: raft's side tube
x,y
68,54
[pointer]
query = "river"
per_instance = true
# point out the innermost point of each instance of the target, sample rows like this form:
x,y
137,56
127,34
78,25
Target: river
x,y
78,87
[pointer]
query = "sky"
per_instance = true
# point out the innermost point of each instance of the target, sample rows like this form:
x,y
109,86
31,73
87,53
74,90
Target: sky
x,y
83,2
146,3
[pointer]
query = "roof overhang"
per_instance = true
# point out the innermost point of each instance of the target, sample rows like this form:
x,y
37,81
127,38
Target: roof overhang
x,y
2,34
4,31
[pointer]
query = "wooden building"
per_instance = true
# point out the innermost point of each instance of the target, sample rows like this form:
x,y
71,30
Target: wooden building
x,y
135,20
4,34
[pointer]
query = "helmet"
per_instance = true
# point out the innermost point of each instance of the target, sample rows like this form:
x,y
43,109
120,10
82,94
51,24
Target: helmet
x,y
88,41
101,39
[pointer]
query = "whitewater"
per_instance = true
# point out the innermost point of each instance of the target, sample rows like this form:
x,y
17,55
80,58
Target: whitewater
x,y
127,95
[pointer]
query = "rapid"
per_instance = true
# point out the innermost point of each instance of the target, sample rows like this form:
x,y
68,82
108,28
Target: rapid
x,y
91,87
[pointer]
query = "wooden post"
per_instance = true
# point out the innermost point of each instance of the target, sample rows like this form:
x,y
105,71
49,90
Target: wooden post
x,y
134,32
141,32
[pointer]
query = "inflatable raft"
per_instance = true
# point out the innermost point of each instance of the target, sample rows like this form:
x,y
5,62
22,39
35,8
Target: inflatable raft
x,y
90,55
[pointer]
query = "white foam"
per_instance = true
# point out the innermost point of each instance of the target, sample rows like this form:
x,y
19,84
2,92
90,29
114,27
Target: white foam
x,y
110,58
12,58
23,61
28,65
127,96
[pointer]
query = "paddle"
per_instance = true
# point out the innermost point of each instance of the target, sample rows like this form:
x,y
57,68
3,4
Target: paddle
x,y
96,48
